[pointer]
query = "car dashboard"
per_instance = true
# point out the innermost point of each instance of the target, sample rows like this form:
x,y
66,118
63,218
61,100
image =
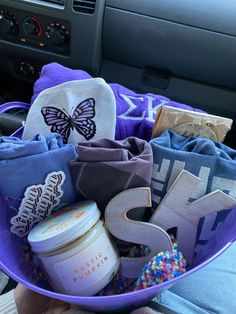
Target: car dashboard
x,y
184,50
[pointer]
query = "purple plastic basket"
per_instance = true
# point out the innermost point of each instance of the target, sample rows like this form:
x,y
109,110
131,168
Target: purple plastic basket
x,y
13,260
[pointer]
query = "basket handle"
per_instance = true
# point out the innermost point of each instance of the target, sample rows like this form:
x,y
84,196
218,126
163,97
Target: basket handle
x,y
14,105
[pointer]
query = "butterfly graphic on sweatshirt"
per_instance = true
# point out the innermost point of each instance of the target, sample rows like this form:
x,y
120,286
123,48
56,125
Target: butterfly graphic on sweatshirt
x,y
80,120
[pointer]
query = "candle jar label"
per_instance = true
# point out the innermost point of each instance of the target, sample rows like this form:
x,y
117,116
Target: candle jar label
x,y
88,267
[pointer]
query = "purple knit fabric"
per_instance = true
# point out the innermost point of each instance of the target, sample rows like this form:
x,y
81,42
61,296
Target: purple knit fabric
x,y
54,74
135,112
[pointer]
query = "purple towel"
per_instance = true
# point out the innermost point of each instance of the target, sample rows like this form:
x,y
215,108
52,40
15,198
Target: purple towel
x,y
105,167
135,113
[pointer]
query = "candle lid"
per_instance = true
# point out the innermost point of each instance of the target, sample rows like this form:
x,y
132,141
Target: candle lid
x,y
63,226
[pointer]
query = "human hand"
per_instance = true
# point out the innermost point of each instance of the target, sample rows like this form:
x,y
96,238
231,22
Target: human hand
x,y
30,302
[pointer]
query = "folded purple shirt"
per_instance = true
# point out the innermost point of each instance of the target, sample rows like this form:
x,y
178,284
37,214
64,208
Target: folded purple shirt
x,y
135,113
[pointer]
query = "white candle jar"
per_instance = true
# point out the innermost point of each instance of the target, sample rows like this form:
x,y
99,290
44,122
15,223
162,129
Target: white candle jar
x,y
75,250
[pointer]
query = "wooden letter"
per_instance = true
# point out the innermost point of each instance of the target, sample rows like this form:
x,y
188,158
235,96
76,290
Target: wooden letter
x,y
129,230
175,210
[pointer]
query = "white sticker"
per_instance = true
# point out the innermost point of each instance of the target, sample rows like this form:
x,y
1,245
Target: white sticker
x,y
37,204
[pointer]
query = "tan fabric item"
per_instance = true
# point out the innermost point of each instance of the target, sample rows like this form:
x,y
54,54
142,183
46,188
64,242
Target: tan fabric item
x,y
7,303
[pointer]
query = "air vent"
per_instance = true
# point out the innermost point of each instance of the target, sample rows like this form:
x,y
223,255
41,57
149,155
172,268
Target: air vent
x,y
60,2
57,3
84,6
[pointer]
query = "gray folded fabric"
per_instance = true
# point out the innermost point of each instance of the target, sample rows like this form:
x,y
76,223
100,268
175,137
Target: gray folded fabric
x,y
106,167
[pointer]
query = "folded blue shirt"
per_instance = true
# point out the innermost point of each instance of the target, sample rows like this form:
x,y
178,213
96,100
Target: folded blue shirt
x,y
35,177
213,162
